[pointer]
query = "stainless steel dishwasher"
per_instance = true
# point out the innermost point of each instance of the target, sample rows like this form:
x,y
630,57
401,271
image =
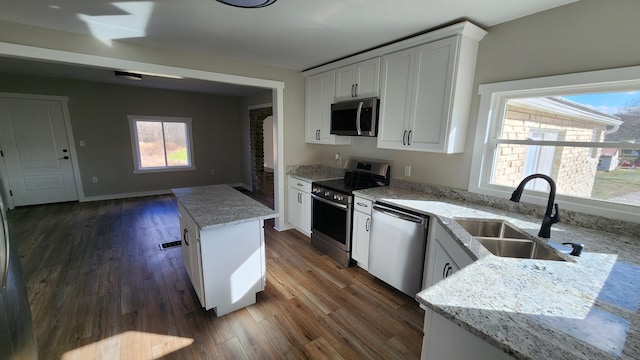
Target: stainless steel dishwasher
x,y
397,247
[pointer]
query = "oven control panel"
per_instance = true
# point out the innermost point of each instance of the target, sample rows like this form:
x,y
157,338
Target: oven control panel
x,y
332,196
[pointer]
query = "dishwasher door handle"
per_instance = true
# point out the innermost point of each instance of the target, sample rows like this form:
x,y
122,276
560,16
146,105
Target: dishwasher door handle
x,y
399,214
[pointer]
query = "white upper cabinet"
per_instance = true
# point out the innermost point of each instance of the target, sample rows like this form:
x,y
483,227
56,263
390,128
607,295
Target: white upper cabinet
x,y
424,83
425,96
320,91
361,80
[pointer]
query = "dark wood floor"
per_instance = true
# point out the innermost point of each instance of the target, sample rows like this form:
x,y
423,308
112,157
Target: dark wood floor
x,y
101,288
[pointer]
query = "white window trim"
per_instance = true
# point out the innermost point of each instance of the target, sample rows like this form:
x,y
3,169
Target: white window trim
x,y
134,144
494,97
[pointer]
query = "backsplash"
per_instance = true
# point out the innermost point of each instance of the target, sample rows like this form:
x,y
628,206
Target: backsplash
x,y
567,216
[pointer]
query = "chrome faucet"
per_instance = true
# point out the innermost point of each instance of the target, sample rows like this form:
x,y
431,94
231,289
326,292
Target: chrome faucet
x,y
549,218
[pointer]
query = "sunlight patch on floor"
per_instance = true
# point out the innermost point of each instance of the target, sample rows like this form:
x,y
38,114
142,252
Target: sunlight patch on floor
x,y
130,345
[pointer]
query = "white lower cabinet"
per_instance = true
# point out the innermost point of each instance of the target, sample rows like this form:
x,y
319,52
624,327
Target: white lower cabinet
x,y
444,339
226,264
191,251
361,231
300,205
444,255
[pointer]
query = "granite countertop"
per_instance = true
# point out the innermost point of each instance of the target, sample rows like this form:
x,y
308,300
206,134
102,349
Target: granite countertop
x,y
314,175
586,308
220,205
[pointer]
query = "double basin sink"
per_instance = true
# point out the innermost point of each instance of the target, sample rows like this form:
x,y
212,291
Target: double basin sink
x,y
505,240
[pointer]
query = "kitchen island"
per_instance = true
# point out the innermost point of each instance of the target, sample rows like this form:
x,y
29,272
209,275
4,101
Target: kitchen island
x,y
585,308
223,246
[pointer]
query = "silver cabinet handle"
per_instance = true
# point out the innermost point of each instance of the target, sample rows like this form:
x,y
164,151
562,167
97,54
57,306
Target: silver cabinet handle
x,y
356,90
340,206
409,137
361,204
184,236
353,92
358,113
5,266
404,136
366,225
399,214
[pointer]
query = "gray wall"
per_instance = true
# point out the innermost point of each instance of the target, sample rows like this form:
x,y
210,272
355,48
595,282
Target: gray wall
x,y
99,117
586,35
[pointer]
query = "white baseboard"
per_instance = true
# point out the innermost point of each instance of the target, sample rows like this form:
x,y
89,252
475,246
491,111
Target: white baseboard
x,y
143,193
124,196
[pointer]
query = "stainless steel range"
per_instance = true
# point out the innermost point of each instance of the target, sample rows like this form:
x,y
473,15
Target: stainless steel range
x,y
332,212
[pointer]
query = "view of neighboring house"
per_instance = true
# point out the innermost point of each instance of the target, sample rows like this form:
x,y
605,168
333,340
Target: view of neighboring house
x,y
609,159
552,119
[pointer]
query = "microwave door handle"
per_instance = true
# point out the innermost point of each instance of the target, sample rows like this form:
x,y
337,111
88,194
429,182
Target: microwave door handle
x,y
358,127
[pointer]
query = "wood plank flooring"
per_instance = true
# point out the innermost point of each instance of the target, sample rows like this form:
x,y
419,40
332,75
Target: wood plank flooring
x,y
101,288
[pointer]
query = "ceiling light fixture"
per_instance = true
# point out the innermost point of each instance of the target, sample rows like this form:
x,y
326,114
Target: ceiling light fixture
x,y
128,75
248,3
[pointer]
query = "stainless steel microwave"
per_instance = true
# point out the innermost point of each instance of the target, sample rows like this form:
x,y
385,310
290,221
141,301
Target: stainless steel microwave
x,y
355,117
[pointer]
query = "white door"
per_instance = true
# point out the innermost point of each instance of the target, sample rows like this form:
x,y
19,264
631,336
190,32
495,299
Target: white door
x,y
35,150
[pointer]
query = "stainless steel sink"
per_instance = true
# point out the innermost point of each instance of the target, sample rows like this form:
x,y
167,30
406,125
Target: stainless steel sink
x,y
505,240
519,248
491,228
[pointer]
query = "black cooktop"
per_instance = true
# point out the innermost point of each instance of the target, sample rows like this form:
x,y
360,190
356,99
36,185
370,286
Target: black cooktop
x,y
358,175
340,185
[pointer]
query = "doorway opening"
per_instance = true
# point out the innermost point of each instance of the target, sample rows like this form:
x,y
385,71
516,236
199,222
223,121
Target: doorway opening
x,y
261,136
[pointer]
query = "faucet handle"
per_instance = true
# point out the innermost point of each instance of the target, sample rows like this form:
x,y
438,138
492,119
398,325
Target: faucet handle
x,y
577,248
555,217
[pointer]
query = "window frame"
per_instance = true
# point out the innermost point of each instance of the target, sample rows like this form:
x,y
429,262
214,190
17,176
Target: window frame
x,y
135,151
493,101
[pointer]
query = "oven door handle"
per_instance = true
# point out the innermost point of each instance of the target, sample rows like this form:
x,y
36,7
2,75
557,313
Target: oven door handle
x,y
329,202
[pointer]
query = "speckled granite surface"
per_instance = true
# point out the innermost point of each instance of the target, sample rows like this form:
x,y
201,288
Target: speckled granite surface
x,y
220,205
312,173
534,309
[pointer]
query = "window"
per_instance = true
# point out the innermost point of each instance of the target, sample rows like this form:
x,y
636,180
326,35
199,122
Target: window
x,y
583,130
161,143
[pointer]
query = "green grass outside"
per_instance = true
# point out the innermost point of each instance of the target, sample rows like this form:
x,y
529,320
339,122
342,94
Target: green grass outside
x,y
615,183
178,157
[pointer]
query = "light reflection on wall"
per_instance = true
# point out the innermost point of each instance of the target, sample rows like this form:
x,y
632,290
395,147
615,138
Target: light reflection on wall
x,y
131,25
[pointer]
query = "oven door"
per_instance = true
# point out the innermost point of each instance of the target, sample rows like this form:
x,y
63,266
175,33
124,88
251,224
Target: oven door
x,y
332,222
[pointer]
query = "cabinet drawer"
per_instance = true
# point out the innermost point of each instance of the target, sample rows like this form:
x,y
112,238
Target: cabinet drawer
x,y
299,184
362,205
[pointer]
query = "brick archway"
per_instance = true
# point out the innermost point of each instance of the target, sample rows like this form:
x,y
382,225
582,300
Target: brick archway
x,y
261,180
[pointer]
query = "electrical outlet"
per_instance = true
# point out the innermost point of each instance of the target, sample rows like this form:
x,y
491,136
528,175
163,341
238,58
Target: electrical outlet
x,y
81,142
407,170
94,179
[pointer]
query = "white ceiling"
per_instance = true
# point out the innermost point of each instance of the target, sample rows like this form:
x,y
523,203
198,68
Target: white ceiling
x,y
291,34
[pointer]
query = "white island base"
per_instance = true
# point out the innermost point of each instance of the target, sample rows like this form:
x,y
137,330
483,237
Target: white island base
x,y
226,261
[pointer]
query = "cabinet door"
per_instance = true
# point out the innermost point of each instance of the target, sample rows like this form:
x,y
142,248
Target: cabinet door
x,y
305,206
432,97
295,208
443,339
396,99
443,264
360,245
346,82
319,92
360,80
444,256
191,253
368,78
